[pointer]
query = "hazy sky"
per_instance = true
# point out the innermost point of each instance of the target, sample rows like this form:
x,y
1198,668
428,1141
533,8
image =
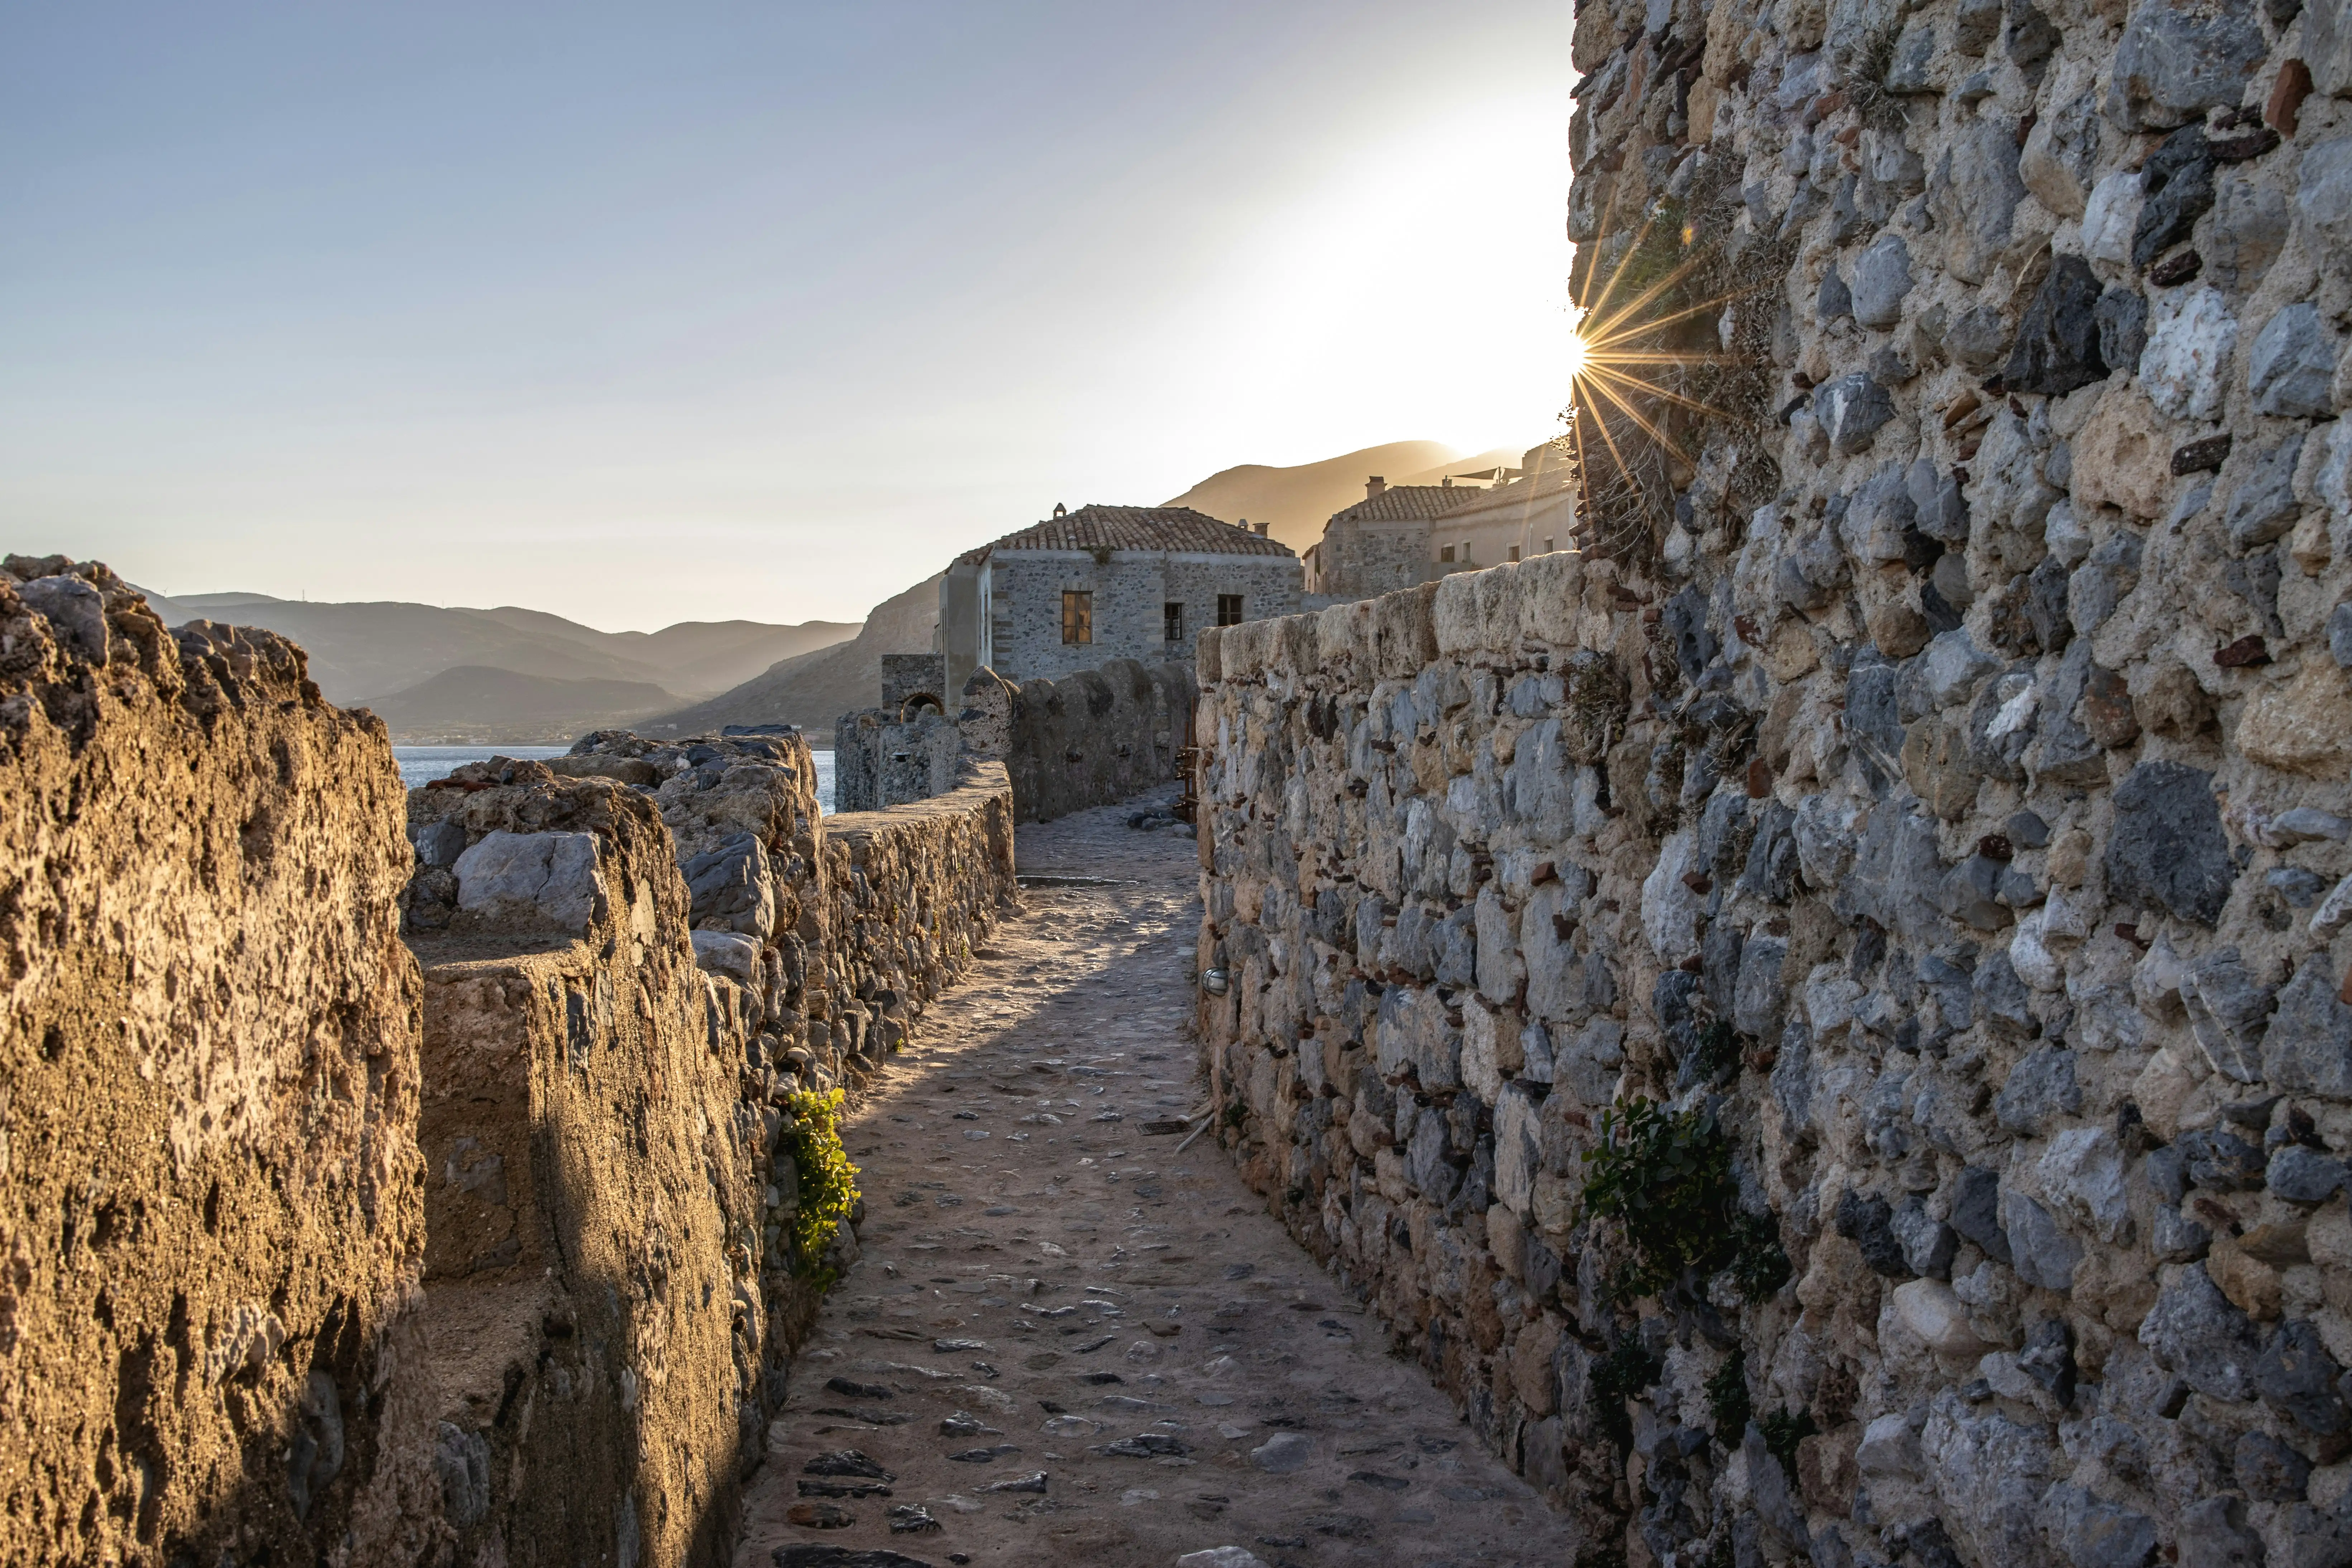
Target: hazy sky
x,y
697,310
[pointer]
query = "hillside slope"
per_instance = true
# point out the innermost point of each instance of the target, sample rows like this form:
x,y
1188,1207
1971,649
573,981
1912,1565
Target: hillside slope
x,y
474,702
815,689
367,650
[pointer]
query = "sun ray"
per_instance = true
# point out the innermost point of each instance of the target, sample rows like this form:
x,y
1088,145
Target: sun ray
x,y
1609,326
1686,312
1592,356
1640,238
1652,389
1647,426
1617,456
1608,211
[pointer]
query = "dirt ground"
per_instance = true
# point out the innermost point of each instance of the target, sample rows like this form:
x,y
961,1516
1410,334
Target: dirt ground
x,y
1068,1343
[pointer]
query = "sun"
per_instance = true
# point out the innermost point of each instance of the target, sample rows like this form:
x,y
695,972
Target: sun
x,y
1629,348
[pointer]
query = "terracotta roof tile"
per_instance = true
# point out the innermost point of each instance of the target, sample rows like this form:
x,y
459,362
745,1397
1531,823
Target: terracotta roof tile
x,y
1173,528
1401,503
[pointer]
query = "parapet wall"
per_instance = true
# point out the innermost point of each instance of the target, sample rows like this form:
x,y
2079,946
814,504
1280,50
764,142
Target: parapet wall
x,y
593,1187
212,1226
1989,989
1090,739
637,957
306,1255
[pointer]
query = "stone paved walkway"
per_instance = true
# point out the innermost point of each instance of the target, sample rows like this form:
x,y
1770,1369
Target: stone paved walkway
x,y
1050,1290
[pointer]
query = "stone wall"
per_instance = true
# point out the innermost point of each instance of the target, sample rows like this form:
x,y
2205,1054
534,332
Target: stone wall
x,y
261,1299
909,891
1091,739
1987,988
635,957
880,759
1357,559
593,1195
212,1224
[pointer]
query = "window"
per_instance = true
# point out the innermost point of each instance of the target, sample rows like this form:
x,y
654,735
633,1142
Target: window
x,y
1171,618
1445,552
1229,609
1077,615
1547,544
1514,552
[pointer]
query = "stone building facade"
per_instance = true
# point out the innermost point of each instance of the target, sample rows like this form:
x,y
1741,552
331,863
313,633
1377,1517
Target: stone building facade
x,y
1400,535
1534,514
1103,582
1382,542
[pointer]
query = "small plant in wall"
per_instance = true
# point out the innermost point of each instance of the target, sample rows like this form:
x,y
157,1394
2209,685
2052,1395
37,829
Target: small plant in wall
x,y
1665,1178
828,1182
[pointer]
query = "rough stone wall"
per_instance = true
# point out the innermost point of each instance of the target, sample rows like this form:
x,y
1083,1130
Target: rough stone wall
x,y
210,1224
907,677
593,1268
909,891
1995,980
630,970
879,760
1090,739
1358,559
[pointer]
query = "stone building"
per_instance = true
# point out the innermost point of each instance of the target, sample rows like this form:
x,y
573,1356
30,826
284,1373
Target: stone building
x,y
1382,542
1400,535
1533,513
1101,583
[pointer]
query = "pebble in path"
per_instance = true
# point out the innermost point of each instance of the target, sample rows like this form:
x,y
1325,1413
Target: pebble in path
x,y
1066,1341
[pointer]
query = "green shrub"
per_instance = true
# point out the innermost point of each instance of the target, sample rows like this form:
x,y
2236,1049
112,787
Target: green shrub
x,y
1759,1265
1718,1052
828,1182
1617,1377
1783,1430
1664,1177
1727,1398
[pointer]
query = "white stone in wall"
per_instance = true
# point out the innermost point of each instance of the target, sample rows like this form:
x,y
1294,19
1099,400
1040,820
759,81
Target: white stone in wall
x,y
545,878
2190,338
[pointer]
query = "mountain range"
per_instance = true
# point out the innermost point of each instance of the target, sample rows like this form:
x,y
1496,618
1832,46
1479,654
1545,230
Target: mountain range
x,y
458,676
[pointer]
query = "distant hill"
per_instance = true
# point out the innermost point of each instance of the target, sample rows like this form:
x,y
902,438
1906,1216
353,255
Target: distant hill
x,y
474,702
814,688
1297,502
361,652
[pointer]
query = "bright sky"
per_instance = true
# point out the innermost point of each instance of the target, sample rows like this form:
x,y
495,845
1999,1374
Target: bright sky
x,y
647,313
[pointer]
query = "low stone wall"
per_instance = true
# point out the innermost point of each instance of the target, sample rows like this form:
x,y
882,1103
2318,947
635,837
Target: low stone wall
x,y
259,1300
593,1188
613,1285
909,891
1091,739
208,1079
880,759
1990,1202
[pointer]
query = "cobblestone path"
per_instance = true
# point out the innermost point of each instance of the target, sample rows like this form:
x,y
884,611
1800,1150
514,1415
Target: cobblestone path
x,y
1067,1342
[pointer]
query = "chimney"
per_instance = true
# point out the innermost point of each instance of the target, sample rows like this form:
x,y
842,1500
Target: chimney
x,y
1374,485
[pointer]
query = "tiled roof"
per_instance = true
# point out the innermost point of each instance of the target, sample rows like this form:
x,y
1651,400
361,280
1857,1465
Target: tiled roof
x,y
1178,528
1402,504
1524,495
